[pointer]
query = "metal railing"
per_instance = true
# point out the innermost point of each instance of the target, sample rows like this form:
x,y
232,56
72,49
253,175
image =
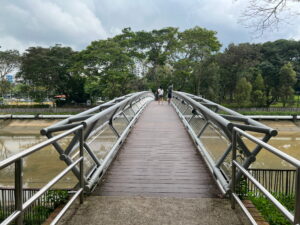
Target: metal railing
x,y
237,167
274,180
207,120
40,210
17,160
116,116
85,128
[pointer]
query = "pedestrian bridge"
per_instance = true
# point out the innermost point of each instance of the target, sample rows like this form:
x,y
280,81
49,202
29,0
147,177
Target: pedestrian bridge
x,y
168,164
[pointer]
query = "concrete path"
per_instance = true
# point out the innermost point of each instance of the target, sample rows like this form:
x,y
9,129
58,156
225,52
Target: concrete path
x,y
102,210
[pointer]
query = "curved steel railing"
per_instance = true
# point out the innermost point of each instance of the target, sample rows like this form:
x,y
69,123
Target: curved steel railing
x,y
94,121
202,116
293,217
20,207
84,128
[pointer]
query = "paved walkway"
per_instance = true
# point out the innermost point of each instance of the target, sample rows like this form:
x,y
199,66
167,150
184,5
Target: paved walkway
x,y
157,178
158,159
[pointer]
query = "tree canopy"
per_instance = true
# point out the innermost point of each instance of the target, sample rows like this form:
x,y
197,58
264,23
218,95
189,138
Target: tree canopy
x,y
242,74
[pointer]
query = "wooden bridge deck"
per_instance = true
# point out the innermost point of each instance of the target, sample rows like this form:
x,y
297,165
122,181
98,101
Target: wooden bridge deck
x,y
158,159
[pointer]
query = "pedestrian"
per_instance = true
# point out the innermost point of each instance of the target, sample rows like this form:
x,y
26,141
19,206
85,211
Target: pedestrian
x,y
170,90
160,92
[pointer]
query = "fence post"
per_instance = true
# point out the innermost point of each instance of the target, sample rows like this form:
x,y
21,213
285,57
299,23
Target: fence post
x,y
233,168
19,190
297,198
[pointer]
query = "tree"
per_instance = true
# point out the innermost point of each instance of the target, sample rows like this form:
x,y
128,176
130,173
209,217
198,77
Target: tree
x,y
287,78
243,91
158,48
195,45
9,61
210,81
267,14
235,62
49,69
258,97
108,64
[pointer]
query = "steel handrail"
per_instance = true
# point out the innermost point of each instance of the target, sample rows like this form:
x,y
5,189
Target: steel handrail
x,y
93,120
209,112
13,158
20,207
295,219
83,126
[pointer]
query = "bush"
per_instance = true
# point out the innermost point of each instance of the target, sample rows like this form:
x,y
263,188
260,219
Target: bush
x,y
269,211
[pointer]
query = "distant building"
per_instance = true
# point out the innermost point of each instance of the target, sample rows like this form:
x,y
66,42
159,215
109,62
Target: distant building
x,y
9,78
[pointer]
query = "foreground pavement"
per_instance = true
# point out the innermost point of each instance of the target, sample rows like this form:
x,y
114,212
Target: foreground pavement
x,y
153,211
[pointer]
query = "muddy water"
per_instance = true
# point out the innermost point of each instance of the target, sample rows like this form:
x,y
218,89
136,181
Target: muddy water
x,y
287,140
40,167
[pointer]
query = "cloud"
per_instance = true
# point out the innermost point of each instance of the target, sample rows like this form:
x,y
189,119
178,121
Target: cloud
x,y
45,22
76,23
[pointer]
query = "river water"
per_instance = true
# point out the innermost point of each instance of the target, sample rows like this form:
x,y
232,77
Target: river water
x,y
39,168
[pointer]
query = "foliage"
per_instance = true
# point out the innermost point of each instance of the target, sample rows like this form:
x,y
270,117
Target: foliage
x,y
38,213
9,61
287,79
47,72
243,91
269,211
258,97
243,74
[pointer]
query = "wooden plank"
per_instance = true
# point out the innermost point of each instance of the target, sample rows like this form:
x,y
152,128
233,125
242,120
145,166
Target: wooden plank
x,y
158,159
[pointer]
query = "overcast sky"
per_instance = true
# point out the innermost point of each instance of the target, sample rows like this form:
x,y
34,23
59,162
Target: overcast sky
x,y
75,23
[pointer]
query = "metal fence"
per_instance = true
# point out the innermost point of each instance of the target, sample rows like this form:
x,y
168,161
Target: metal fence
x,y
274,180
210,126
80,154
293,217
39,211
21,206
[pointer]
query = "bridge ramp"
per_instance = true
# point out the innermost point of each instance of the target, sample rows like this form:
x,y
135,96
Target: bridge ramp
x,y
157,178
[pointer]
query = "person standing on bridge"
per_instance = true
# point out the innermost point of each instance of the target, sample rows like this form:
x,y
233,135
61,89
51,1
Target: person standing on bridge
x,y
170,90
160,93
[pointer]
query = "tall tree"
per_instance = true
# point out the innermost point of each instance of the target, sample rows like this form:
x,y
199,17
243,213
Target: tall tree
x,y
243,91
287,78
107,63
49,69
258,97
235,62
9,61
196,45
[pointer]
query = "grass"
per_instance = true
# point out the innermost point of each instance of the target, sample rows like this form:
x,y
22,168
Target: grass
x,y
270,212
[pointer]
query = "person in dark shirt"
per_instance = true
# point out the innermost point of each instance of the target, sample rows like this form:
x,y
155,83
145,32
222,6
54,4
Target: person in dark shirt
x,y
170,90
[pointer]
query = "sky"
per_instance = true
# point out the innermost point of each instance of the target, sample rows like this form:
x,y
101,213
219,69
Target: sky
x,y
75,23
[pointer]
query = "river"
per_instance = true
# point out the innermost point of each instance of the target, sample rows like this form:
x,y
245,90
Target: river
x,y
39,168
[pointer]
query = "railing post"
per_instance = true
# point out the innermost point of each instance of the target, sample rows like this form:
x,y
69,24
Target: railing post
x,y
19,190
81,169
233,168
297,198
